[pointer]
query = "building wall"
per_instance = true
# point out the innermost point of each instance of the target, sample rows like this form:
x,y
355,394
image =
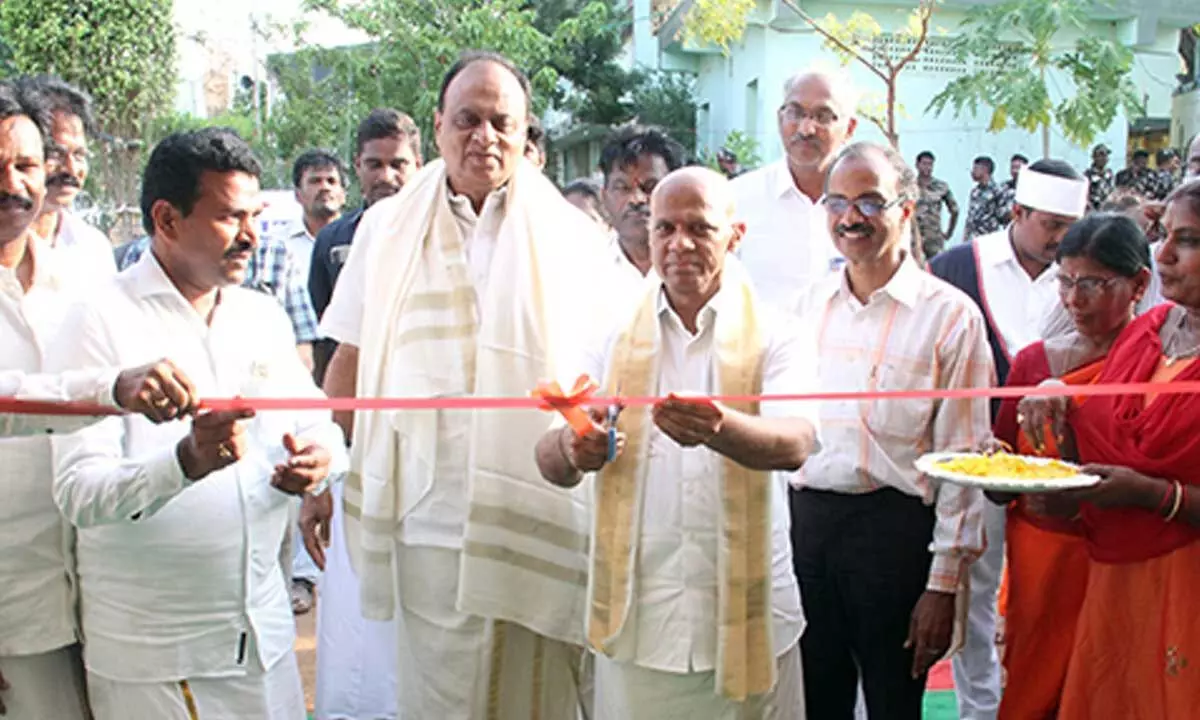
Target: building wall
x,y
768,57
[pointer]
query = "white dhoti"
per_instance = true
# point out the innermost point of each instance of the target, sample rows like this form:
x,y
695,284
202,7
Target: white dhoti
x,y
356,657
273,694
625,691
977,665
46,686
454,666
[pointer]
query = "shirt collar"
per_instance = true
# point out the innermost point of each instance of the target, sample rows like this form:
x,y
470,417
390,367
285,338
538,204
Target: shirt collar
x,y
707,316
781,182
995,249
148,279
904,286
461,206
299,229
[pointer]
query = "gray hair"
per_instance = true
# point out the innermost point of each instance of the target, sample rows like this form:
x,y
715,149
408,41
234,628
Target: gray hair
x,y
841,85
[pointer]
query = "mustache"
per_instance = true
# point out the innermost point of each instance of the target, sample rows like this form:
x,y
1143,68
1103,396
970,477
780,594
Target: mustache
x,y
65,180
239,247
21,202
802,138
858,228
639,209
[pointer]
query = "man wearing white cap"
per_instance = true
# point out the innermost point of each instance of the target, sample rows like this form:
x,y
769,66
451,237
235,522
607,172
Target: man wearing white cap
x,y
1010,274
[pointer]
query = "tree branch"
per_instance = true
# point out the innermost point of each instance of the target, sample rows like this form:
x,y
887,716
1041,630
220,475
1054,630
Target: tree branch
x,y
834,40
926,14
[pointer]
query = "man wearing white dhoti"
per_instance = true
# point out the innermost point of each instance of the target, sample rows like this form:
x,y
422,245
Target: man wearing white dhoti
x,y
694,609
184,610
467,283
41,677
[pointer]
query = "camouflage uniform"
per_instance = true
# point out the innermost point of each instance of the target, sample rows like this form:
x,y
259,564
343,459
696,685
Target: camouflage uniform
x,y
990,210
1146,183
929,215
1100,185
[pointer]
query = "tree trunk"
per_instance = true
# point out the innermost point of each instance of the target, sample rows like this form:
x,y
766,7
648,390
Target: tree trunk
x,y
892,137
1045,140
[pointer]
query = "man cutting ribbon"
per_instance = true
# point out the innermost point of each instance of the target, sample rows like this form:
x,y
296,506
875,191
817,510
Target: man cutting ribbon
x,y
694,610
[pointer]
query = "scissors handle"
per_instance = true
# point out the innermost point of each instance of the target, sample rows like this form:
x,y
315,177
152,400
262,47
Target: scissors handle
x,y
613,412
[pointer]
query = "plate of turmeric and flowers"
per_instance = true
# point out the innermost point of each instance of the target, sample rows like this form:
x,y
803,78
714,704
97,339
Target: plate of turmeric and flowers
x,y
1005,472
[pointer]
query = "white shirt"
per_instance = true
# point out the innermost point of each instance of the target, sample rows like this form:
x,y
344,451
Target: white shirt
x,y
37,599
439,518
630,282
84,253
674,620
915,333
787,246
1018,304
181,579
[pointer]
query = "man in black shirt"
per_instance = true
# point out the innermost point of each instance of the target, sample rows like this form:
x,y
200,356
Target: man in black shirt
x,y
387,153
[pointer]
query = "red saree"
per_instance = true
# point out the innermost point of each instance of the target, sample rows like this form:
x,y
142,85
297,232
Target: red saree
x,y
1046,571
1137,641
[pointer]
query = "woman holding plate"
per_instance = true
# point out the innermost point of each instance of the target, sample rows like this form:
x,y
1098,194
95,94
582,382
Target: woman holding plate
x,y
1103,263
1137,642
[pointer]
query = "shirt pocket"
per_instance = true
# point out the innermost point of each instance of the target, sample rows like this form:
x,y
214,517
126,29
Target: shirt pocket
x,y
905,419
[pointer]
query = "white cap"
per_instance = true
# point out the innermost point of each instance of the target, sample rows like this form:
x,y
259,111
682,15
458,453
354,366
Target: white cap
x,y
1051,193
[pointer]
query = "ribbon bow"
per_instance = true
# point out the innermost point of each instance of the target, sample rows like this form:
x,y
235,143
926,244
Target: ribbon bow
x,y
568,404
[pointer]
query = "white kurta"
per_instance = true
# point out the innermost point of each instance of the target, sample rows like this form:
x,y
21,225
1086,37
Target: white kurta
x,y
671,633
179,579
37,594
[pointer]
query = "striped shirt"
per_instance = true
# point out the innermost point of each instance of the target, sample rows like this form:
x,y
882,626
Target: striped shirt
x,y
915,333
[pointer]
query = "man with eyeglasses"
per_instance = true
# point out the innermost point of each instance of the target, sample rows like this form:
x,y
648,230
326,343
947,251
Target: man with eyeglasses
x,y
787,246
879,550
85,251
1011,276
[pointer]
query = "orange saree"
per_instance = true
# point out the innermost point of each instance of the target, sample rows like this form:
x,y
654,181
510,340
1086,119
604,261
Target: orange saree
x,y
1137,642
1046,572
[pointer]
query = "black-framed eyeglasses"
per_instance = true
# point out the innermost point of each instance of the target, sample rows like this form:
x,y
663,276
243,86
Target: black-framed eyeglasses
x,y
866,206
1086,286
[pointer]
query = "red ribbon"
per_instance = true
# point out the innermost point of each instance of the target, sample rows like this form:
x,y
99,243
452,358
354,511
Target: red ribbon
x,y
581,398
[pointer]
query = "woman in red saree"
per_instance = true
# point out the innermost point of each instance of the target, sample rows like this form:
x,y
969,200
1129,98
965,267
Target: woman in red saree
x,y
1103,272
1136,653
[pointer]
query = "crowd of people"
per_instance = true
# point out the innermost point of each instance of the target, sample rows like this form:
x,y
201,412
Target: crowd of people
x,y
685,559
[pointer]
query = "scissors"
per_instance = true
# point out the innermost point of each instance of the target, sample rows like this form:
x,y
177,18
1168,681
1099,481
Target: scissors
x,y
614,411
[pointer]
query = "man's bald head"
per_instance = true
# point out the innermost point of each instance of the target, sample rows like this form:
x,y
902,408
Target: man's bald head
x,y
692,230
701,182
816,118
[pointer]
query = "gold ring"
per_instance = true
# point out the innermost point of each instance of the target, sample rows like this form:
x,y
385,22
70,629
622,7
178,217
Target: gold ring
x,y
224,452
162,402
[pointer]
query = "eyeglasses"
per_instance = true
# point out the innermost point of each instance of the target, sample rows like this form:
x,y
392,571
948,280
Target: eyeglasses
x,y
821,116
866,206
1086,286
